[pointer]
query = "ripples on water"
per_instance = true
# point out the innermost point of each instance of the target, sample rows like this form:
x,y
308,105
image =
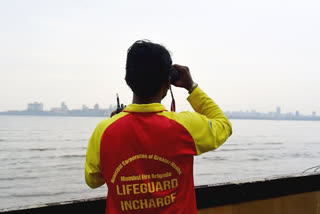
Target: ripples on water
x,y
42,158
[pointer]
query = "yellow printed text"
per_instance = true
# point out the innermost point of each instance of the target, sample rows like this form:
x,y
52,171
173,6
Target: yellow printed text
x,y
143,188
148,203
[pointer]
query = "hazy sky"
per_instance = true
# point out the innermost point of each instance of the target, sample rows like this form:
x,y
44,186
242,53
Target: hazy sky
x,y
246,54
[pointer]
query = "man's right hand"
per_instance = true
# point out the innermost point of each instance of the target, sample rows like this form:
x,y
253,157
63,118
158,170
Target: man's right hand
x,y
185,80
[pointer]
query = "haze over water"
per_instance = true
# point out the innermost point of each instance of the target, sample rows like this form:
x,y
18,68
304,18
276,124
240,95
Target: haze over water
x,y
42,158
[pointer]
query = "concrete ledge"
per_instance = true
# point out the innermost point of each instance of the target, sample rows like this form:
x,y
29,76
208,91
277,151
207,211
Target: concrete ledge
x,y
230,193
207,195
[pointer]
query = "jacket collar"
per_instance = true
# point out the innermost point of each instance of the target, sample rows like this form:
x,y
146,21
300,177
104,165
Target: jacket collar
x,y
145,108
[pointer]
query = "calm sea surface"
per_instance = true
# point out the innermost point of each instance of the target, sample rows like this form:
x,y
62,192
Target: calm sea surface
x,y
42,158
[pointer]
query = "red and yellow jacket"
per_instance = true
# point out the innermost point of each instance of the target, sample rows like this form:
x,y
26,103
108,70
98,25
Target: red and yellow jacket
x,y
145,155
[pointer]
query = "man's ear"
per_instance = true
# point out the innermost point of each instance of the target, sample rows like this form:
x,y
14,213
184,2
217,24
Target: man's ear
x,y
126,79
165,88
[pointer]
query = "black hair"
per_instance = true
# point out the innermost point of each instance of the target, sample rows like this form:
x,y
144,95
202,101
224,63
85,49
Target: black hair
x,y
147,68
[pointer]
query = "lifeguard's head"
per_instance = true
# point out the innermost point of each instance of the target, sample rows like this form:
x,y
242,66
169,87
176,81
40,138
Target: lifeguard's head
x,y
147,68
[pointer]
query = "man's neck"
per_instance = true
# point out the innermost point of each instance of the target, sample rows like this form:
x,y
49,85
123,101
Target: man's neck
x,y
139,100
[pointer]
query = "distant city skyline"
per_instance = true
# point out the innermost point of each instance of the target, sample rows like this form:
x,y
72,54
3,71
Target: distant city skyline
x,y
166,103
37,108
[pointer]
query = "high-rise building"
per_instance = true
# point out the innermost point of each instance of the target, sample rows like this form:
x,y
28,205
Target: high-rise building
x,y
35,107
85,108
64,107
96,107
278,110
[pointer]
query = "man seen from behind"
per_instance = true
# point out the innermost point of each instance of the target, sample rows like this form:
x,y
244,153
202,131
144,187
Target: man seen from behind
x,y
145,153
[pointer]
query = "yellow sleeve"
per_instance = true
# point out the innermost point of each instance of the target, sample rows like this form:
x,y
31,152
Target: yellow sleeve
x,y
209,126
93,174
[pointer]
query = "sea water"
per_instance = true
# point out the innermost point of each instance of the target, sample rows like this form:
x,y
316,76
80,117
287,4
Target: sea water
x,y
42,158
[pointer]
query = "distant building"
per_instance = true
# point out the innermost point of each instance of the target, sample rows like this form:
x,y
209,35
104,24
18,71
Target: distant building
x,y
297,114
85,108
96,107
64,107
278,110
314,114
62,110
35,107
